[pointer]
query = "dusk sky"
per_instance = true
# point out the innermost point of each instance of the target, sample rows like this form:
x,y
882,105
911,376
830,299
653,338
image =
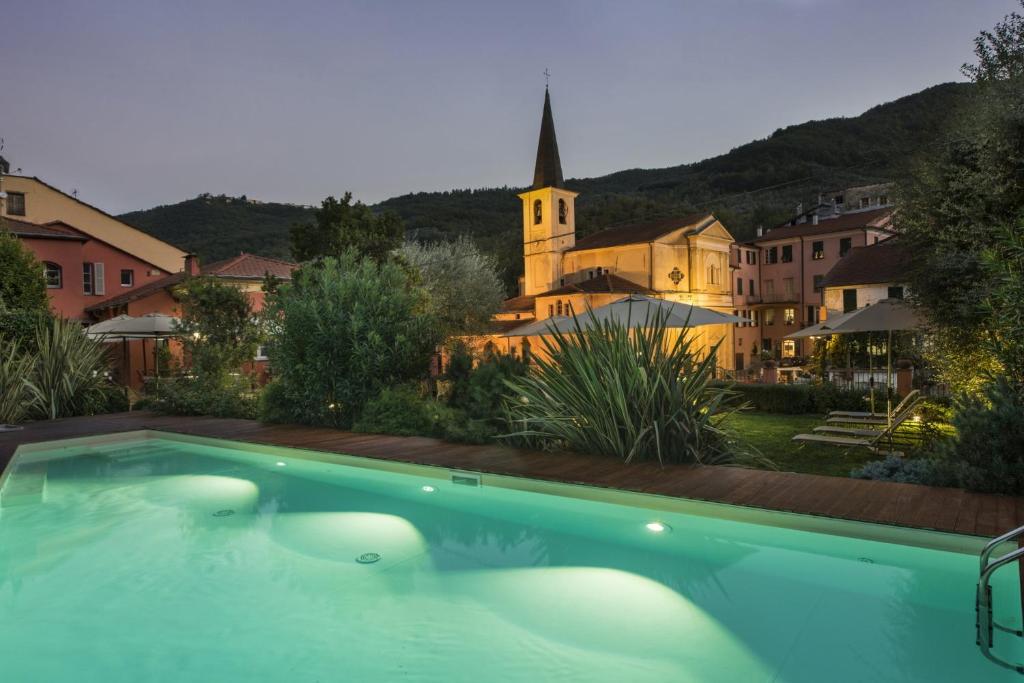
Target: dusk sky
x,y
146,102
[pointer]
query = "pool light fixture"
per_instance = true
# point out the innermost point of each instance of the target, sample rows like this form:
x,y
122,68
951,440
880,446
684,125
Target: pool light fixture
x,y
280,463
658,527
428,489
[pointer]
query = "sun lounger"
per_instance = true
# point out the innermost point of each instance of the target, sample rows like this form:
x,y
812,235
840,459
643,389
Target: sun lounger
x,y
853,413
905,408
867,438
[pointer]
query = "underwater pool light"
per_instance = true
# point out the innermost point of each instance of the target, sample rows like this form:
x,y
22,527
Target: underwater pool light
x,y
428,489
658,527
280,464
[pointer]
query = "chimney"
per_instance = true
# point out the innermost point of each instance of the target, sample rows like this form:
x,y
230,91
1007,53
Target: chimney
x,y
814,219
760,230
191,264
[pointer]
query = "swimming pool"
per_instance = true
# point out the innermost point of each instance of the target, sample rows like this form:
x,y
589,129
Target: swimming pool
x,y
169,559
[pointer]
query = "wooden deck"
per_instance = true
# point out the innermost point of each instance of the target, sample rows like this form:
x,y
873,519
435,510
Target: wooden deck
x,y
950,510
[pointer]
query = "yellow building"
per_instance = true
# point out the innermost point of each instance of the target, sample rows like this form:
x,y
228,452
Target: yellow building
x,y
683,258
32,200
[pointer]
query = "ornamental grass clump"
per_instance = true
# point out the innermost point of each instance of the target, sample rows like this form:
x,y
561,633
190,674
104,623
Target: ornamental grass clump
x,y
637,394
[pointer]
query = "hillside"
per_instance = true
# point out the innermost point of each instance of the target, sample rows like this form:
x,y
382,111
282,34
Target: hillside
x,y
757,183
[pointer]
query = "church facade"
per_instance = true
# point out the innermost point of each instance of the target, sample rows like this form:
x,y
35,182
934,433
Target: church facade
x,y
683,258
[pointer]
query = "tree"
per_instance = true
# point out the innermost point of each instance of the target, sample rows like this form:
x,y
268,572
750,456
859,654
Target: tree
x,y
23,300
22,285
462,283
965,191
219,332
1000,52
218,328
344,329
340,225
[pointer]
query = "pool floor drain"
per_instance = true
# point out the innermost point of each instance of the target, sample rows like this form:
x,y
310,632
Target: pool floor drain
x,y
368,558
223,513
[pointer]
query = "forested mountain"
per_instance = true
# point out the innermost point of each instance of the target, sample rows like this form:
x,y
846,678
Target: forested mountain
x,y
757,183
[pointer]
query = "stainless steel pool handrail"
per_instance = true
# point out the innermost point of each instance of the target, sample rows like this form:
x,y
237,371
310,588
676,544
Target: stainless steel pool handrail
x,y
991,546
985,624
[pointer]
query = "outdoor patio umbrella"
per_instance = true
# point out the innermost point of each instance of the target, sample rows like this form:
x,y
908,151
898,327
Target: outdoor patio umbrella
x,y
887,315
634,310
149,326
821,329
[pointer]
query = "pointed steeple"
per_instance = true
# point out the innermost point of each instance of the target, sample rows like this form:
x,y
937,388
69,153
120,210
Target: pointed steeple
x,y
548,171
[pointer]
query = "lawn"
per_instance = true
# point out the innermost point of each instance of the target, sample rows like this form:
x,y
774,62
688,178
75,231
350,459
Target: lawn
x,y
771,433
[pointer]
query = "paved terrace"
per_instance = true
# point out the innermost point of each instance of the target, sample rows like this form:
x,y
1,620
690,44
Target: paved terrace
x,y
907,505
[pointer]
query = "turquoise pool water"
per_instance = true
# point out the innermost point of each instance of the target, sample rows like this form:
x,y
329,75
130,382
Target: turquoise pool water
x,y
158,560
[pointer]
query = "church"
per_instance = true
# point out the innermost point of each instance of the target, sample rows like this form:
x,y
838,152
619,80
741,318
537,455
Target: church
x,y
682,258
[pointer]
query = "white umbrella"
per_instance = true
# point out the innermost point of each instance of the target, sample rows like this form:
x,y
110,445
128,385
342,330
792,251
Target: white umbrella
x,y
149,326
822,329
125,327
634,310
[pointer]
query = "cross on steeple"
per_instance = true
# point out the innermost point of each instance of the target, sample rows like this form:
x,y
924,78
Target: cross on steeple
x,y
547,77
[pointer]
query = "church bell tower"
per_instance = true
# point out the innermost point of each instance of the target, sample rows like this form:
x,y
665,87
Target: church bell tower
x,y
549,214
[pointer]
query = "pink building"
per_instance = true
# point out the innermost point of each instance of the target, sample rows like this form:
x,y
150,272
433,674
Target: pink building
x,y
778,278
81,269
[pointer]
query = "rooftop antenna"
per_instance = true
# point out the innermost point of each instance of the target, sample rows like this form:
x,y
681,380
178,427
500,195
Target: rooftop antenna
x,y
547,78
74,193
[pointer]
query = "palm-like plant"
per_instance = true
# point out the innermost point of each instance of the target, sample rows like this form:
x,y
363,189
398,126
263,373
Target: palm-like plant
x,y
70,371
15,370
639,394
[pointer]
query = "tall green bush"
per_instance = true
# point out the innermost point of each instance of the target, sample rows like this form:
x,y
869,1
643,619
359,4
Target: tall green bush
x,y
462,283
987,453
22,286
70,374
219,333
344,329
796,399
635,394
24,304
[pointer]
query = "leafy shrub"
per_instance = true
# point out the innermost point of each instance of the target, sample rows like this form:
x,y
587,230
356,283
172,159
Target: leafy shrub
x,y
15,373
70,374
899,469
481,391
232,396
22,285
637,394
796,399
19,327
987,453
404,411
344,330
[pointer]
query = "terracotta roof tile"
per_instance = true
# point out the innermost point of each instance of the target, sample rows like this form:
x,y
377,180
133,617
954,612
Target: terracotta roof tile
x,y
875,218
241,267
251,266
603,284
517,303
638,233
52,230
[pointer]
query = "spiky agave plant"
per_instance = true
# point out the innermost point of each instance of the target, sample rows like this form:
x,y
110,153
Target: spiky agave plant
x,y
639,393
70,372
15,371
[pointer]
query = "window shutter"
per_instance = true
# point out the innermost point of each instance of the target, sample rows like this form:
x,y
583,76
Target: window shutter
x,y
99,287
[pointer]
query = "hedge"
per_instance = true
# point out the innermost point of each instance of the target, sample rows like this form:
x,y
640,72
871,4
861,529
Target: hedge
x,y
801,398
